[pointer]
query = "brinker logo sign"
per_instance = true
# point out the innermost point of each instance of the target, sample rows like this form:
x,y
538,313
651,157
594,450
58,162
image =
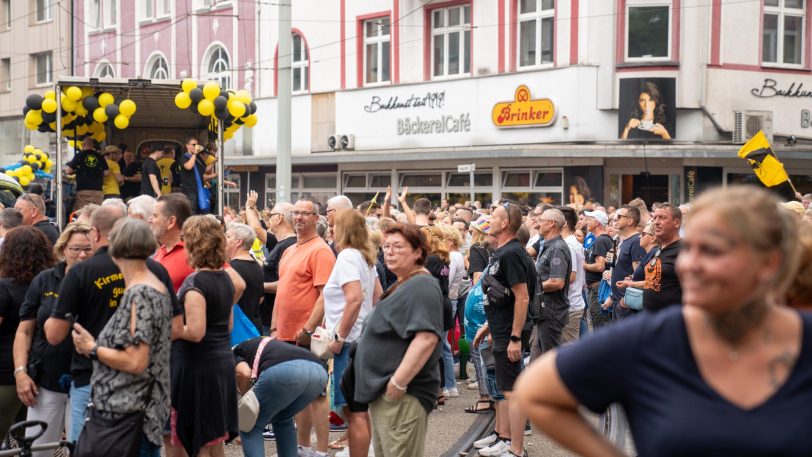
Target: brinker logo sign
x,y
524,111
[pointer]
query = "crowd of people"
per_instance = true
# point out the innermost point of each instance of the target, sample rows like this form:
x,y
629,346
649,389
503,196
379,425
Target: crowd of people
x,y
128,313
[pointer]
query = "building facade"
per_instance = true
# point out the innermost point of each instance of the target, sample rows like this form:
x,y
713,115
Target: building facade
x,y
550,100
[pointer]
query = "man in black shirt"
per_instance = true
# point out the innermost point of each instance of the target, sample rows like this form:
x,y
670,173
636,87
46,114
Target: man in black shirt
x,y
90,168
513,268
151,174
281,228
131,170
595,264
554,266
662,287
89,295
188,176
32,207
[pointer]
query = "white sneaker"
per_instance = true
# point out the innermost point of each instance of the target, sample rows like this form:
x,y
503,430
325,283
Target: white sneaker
x,y
371,452
344,452
473,385
452,393
302,451
487,441
507,453
497,449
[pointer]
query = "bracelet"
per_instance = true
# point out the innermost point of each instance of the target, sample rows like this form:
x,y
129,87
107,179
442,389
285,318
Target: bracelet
x,y
20,369
397,386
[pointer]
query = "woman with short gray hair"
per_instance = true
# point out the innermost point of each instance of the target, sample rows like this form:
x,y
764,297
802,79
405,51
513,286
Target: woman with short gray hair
x,y
141,207
239,239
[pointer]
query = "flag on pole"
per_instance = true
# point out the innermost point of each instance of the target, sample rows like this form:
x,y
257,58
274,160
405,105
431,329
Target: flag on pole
x,y
759,154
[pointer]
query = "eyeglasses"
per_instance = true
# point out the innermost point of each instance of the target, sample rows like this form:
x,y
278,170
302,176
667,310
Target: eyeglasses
x,y
275,214
393,247
78,250
647,233
623,215
302,213
507,210
330,210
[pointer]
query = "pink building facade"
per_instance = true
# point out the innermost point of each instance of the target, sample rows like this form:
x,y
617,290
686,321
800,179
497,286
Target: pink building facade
x,y
167,39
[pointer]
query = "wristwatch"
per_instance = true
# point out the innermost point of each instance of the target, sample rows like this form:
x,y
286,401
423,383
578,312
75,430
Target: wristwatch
x,y
515,339
93,354
338,338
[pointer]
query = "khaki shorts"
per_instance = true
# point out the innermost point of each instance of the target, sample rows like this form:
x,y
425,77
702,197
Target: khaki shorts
x,y
398,426
86,197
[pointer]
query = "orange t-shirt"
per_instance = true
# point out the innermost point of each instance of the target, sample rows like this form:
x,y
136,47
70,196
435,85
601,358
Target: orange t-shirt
x,y
302,268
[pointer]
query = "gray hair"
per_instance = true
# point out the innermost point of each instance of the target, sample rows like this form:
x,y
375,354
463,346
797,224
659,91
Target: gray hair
x,y
556,216
142,206
116,202
285,209
340,202
321,226
242,232
131,239
10,218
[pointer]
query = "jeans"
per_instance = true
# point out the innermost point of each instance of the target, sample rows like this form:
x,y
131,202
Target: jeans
x,y
148,449
479,368
51,407
79,398
283,390
493,389
448,357
340,362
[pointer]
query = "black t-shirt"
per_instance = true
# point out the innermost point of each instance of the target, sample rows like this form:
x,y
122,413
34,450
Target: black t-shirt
x,y
510,265
130,189
662,285
49,230
628,252
11,297
646,364
89,167
478,259
439,270
90,294
252,274
149,167
555,262
602,245
175,169
53,362
188,181
274,353
271,274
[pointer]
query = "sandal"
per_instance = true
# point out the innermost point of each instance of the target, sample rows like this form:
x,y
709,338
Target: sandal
x,y
475,408
441,400
338,444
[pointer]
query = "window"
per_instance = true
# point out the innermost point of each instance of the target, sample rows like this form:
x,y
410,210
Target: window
x,y
536,32
299,64
783,35
218,67
44,10
104,70
166,7
5,75
464,179
147,9
451,41
153,9
93,19
530,187
5,14
231,195
157,68
376,50
648,30
43,68
110,13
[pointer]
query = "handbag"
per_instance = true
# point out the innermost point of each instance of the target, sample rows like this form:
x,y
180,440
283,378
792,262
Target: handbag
x,y
104,437
248,404
320,343
243,328
633,298
497,294
203,193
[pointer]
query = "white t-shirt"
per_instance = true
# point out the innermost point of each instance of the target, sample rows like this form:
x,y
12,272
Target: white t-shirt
x,y
456,270
350,266
576,291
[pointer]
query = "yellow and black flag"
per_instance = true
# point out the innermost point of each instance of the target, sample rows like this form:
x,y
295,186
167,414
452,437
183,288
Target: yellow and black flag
x,y
759,154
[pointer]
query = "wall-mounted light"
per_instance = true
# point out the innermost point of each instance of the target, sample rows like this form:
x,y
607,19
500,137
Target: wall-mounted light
x,y
565,122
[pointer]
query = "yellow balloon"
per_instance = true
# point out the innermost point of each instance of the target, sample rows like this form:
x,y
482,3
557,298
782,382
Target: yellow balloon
x,y
188,84
53,126
182,100
28,147
49,163
105,99
74,93
228,135
49,105
236,108
24,181
87,91
68,105
205,107
25,169
243,96
127,107
122,121
211,90
251,120
100,136
99,115
81,110
50,94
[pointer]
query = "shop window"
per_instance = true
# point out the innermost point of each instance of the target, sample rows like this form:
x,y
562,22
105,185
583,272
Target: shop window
x,y
218,66
533,198
5,14
648,30
536,32
5,75
516,179
549,179
464,180
43,68
376,50
104,70
319,181
231,195
783,32
355,181
44,10
422,180
380,181
451,41
299,64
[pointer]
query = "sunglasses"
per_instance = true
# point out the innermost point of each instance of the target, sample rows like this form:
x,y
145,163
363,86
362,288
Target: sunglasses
x,y
507,210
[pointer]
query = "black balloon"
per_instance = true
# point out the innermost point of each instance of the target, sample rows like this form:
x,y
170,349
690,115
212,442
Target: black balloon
x,y
44,128
239,121
253,107
111,110
224,93
221,113
34,101
26,109
48,117
90,103
220,103
34,166
196,95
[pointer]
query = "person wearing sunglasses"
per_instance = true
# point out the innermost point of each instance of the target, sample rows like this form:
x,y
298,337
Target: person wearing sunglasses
x,y
32,207
629,255
648,242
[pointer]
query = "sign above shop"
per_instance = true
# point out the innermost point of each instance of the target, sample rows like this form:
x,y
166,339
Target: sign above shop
x,y
769,88
524,111
433,100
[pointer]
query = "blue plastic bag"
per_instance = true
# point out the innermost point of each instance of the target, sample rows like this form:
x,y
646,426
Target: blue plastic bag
x,y
604,292
243,329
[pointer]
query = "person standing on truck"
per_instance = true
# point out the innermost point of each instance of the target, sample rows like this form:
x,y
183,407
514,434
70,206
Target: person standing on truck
x,y
131,170
165,165
90,169
191,175
151,174
112,181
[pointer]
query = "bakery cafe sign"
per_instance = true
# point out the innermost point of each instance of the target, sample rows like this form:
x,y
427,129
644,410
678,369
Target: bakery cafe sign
x,y
524,111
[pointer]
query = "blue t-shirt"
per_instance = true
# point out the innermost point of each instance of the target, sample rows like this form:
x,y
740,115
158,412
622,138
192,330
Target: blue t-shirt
x,y
640,273
474,315
646,364
629,251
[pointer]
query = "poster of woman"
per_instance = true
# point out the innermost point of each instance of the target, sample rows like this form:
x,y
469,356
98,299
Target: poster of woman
x,y
647,109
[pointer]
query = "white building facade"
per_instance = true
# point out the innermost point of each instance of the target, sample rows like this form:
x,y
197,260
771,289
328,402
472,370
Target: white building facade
x,y
552,100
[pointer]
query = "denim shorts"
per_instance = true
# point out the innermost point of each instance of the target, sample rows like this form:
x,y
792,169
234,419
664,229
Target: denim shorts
x,y
340,363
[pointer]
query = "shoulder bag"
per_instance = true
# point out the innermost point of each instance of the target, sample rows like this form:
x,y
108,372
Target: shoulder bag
x,y
633,298
248,404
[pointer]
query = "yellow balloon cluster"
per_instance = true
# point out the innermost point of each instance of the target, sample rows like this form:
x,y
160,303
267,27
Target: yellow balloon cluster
x,y
33,160
233,108
84,112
